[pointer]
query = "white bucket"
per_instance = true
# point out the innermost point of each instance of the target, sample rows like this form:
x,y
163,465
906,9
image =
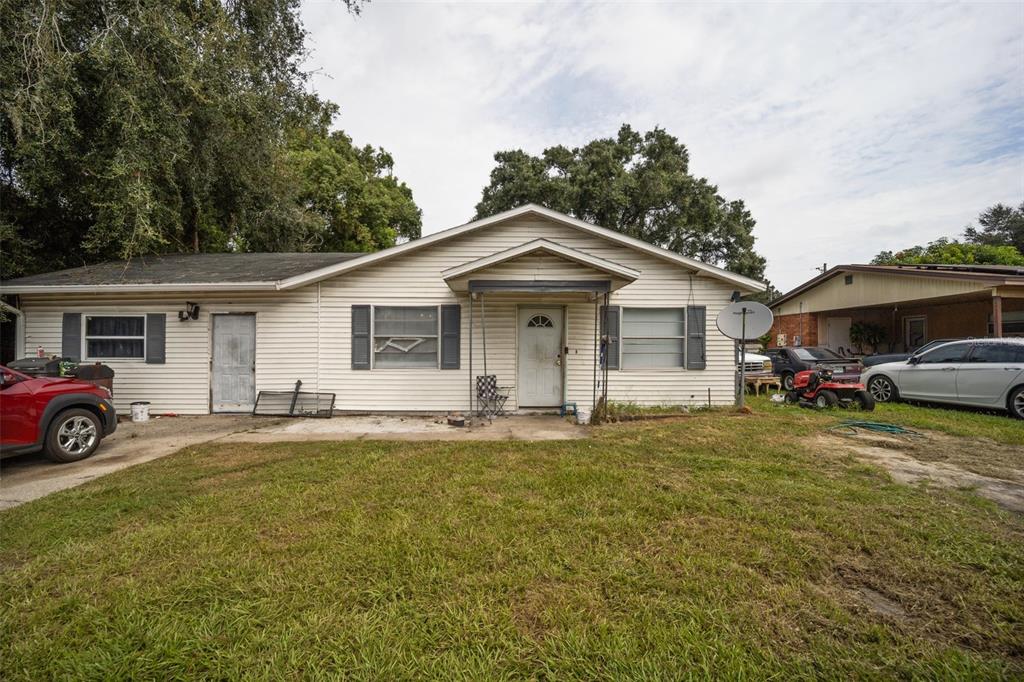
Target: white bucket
x,y
140,411
582,415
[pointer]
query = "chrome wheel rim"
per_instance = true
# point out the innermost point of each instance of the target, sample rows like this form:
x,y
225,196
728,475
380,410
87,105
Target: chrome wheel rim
x,y
1018,403
76,435
881,390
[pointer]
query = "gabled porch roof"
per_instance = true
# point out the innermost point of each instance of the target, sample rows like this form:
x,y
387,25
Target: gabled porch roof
x,y
592,273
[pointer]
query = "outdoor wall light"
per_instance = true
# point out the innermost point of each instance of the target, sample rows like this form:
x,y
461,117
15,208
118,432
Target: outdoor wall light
x,y
190,313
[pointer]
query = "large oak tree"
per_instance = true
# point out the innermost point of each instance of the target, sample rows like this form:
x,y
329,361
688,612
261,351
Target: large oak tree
x,y
638,184
136,126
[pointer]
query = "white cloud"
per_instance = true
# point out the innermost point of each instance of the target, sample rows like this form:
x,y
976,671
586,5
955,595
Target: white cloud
x,y
847,129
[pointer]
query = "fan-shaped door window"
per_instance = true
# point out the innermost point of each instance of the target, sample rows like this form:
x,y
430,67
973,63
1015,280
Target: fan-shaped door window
x,y
540,321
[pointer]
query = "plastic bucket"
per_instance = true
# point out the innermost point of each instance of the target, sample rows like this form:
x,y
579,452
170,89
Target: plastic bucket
x,y
140,411
582,415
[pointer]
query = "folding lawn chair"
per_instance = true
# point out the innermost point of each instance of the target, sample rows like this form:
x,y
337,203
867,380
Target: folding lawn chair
x,y
490,398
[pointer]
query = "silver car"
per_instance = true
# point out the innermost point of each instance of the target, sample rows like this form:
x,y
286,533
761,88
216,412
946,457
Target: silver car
x,y
978,372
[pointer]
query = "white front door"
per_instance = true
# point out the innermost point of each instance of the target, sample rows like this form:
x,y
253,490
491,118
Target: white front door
x,y
540,357
234,363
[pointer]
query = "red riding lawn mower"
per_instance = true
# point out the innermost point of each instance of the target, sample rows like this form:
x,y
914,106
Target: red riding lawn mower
x,y
816,388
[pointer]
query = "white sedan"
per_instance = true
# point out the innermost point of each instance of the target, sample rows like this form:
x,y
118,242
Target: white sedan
x,y
977,372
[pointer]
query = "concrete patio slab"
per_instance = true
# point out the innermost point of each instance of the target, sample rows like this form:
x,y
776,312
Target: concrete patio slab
x,y
515,427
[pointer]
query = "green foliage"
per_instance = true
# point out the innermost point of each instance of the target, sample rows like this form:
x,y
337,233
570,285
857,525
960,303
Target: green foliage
x,y
868,334
1000,241
952,252
357,202
131,127
637,184
1001,225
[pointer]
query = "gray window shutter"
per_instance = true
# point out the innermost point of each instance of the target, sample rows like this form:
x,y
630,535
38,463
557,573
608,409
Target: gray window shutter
x,y
156,338
71,337
451,324
696,336
610,316
360,337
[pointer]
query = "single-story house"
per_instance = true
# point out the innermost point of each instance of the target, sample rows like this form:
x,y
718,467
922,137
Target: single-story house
x,y
914,304
556,308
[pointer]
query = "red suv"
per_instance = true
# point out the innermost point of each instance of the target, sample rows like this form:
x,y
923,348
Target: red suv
x,y
64,417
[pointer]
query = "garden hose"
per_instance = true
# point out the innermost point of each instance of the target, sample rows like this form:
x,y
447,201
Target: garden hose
x,y
851,426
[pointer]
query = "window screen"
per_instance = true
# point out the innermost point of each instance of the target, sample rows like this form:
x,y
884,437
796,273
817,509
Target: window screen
x,y
108,336
405,336
653,337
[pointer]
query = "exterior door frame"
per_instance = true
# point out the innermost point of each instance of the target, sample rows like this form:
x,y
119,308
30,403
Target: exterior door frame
x,y
906,330
212,340
563,312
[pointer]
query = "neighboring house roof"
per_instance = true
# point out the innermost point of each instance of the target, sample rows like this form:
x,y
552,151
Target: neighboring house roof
x,y
293,270
183,270
996,275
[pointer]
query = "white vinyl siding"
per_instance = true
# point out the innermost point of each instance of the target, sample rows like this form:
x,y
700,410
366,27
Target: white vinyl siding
x,y
653,337
306,333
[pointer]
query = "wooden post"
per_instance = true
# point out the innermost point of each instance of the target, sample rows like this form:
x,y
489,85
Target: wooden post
x,y
997,316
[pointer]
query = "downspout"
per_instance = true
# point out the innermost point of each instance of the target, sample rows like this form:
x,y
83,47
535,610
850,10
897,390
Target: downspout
x,y
317,375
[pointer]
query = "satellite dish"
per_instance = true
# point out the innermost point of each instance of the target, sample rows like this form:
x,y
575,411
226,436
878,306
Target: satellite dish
x,y
744,320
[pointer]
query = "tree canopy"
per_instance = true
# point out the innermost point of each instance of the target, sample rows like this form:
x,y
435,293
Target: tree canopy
x,y
999,241
133,127
638,184
1001,225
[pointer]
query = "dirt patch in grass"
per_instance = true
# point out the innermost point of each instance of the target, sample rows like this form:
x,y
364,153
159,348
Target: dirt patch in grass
x,y
941,460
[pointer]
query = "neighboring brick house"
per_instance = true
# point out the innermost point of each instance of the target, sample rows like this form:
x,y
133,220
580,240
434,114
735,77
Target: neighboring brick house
x,y
912,303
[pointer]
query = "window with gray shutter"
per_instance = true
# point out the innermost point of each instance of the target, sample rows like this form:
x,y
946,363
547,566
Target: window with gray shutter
x,y
696,337
610,316
451,325
360,337
653,337
115,337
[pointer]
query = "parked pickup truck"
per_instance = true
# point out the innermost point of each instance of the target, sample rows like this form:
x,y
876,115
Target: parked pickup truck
x,y
786,362
64,417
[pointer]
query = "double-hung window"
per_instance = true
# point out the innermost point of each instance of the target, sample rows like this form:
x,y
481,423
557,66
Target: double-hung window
x,y
653,337
405,336
110,337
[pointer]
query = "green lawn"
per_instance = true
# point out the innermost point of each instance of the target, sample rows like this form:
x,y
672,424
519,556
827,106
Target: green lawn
x,y
709,546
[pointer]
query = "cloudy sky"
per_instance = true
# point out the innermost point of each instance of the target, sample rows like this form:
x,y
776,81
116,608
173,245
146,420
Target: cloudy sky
x,y
847,129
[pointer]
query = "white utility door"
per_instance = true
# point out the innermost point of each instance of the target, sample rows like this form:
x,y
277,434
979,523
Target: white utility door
x,y
234,363
540,357
837,333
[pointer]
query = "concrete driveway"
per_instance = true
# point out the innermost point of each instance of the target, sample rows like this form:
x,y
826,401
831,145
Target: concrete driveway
x,y
28,477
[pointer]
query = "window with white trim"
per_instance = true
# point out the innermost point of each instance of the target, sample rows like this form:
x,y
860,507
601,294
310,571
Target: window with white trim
x,y
111,337
653,337
405,336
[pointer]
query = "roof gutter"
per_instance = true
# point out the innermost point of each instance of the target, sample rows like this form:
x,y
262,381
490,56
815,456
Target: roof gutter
x,y
137,288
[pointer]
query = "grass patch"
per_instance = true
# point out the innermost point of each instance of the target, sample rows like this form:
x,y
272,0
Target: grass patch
x,y
997,427
711,546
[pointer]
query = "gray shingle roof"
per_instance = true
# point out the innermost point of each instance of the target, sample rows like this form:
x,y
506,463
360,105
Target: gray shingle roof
x,y
189,268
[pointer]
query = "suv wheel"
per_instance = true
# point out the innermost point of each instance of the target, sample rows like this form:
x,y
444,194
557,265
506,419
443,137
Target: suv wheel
x,y
1016,402
883,390
73,435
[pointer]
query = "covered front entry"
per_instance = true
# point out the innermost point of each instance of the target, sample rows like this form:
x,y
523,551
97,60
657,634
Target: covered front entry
x,y
540,363
233,380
